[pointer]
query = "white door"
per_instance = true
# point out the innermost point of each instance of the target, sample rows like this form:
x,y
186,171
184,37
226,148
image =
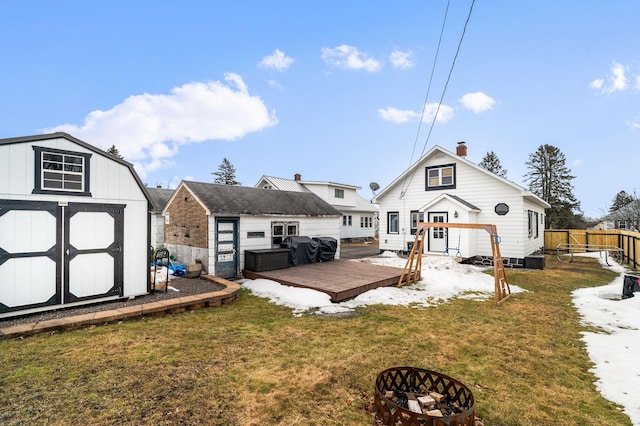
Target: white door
x,y
437,236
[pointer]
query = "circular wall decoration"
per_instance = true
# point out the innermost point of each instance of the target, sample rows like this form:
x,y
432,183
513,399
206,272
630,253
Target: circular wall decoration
x,y
501,209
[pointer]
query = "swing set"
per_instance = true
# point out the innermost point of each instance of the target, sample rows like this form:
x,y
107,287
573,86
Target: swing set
x,y
412,271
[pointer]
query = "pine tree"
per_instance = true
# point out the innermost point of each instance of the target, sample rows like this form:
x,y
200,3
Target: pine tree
x,y
114,151
491,162
550,179
622,199
226,174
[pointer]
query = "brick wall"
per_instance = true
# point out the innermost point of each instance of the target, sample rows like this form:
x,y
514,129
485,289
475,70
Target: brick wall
x,y
187,221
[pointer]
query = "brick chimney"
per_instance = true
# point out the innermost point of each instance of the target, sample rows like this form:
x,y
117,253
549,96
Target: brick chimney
x,y
297,177
461,149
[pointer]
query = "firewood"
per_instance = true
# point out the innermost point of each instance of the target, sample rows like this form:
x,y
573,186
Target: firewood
x,y
388,394
426,400
437,396
414,406
434,413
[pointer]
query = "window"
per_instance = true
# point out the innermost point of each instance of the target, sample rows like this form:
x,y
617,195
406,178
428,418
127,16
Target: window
x,y
338,193
533,224
282,230
393,223
61,172
366,222
255,234
441,177
347,220
416,217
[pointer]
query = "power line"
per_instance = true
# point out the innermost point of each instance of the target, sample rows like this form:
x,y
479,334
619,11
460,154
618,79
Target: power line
x,y
444,90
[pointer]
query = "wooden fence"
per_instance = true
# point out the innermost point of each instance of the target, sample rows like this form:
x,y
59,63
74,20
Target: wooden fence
x,y
627,241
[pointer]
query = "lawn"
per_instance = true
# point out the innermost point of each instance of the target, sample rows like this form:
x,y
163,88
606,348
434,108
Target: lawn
x,y
254,363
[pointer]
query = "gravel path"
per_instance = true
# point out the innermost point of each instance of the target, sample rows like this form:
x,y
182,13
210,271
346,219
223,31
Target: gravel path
x,y
185,286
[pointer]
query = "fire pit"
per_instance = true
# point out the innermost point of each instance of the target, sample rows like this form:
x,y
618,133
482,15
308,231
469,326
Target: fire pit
x,y
419,397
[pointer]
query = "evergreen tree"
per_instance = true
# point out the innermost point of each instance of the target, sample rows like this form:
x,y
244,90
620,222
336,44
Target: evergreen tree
x,y
491,162
226,174
114,151
622,199
550,179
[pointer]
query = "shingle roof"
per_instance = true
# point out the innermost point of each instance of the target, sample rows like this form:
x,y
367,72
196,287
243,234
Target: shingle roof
x,y
243,200
159,198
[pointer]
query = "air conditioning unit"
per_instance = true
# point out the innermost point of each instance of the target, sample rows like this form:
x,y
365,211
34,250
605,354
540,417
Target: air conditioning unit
x,y
534,262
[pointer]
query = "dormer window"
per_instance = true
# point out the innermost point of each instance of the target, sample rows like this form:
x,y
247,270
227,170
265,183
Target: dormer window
x,y
61,172
440,177
338,193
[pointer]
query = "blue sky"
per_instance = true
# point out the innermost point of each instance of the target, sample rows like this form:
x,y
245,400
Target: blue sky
x,y
329,89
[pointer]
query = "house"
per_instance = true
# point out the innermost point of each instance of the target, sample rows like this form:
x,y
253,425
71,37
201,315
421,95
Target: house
x,y
446,187
73,225
159,197
626,217
218,223
359,217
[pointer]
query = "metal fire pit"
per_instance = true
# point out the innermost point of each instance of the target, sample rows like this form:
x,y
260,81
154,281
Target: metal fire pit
x,y
419,383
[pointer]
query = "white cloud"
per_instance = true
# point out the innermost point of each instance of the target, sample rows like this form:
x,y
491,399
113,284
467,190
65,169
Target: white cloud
x,y
402,60
616,82
345,56
445,113
277,61
634,124
148,129
597,84
477,102
399,116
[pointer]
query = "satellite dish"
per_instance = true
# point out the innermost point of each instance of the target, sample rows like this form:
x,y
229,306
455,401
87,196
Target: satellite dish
x,y
374,187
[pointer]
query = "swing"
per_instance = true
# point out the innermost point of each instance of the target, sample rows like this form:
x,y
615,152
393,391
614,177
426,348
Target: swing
x,y
446,249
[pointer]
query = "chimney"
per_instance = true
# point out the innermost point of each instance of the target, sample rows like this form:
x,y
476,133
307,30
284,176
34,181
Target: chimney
x,y
297,177
461,149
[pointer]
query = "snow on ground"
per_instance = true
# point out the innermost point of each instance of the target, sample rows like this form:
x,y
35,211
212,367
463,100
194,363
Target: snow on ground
x,y
615,350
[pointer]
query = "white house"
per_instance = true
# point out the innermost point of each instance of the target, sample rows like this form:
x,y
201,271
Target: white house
x,y
159,198
359,216
74,225
218,223
446,187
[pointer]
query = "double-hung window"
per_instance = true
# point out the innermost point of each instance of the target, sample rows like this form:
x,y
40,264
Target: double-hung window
x,y
416,217
282,230
61,172
393,223
441,177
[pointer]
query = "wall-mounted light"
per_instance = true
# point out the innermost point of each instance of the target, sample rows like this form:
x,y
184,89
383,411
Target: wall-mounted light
x,y
455,213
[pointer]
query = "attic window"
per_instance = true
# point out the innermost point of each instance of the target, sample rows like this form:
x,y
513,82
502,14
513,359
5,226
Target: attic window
x,y
61,172
338,193
440,177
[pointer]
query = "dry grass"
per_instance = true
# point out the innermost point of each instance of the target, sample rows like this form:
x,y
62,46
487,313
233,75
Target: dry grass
x,y
253,363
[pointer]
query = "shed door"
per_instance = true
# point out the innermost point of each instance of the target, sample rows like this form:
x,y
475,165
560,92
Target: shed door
x,y
227,248
53,254
30,270
93,236
438,236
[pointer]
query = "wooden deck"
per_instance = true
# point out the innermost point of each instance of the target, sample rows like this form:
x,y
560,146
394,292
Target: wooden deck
x,y
340,279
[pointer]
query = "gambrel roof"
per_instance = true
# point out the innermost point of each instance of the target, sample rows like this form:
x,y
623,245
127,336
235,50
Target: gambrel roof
x,y
407,175
243,200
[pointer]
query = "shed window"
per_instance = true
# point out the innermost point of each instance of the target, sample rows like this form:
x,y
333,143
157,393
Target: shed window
x,y
338,193
533,224
441,177
61,172
416,218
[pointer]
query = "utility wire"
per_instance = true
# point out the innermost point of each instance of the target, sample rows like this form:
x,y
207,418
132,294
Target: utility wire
x,y
444,90
433,68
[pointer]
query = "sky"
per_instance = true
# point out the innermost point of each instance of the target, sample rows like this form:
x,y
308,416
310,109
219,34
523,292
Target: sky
x,y
346,92
613,348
